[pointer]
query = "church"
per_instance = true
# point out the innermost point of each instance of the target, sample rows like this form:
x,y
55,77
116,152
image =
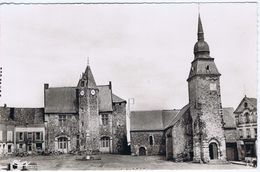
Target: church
x,y
198,132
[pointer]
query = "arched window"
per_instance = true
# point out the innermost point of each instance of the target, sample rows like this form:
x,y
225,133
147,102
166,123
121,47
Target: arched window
x,y
62,143
151,140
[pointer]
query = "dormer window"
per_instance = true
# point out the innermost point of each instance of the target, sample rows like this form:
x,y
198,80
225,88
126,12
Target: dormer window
x,y
245,105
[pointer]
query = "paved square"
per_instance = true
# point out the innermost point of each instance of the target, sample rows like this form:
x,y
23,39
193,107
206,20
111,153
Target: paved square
x,y
116,162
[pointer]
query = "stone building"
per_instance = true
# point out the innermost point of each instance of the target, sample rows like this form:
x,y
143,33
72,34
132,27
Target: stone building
x,y
198,131
246,121
87,117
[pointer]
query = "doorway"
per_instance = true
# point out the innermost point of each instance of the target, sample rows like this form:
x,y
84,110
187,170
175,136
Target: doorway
x,y
142,151
213,151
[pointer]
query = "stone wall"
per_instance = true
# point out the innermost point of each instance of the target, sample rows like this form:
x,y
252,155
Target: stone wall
x,y
54,130
119,128
182,139
141,139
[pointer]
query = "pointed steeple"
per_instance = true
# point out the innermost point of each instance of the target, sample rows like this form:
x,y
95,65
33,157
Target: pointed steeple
x,y
87,79
200,30
201,48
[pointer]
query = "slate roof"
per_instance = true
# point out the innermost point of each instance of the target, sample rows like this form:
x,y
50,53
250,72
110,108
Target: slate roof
x,y
117,99
22,116
60,100
179,115
105,98
151,120
229,117
88,79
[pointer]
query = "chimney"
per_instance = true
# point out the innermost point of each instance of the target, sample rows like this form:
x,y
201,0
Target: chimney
x,y
46,86
110,85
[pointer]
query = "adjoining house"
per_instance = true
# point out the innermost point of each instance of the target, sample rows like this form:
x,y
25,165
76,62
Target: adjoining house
x,y
246,121
21,130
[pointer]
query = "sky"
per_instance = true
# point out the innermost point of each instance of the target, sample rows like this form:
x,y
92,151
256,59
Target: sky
x,y
144,49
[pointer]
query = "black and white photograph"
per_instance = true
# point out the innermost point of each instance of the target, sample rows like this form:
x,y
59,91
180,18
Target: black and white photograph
x,y
128,85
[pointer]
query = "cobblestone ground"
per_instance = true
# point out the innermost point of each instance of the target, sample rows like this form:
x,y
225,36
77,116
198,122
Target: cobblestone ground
x,y
115,162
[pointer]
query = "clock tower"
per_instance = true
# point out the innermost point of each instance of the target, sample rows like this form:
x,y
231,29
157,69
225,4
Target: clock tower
x,y
205,104
88,112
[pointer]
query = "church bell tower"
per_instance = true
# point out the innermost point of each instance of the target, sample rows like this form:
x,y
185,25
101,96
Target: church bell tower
x,y
205,104
88,112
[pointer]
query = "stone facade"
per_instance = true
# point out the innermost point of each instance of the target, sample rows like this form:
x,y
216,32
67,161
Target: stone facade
x,y
153,142
196,133
87,118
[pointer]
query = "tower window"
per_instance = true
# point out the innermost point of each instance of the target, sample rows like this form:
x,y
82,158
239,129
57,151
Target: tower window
x,y
207,68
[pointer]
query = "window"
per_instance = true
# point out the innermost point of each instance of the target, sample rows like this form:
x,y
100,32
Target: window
x,y
240,133
29,147
1,135
247,117
245,104
37,136
151,140
104,119
62,120
255,132
62,143
248,134
20,136
39,146
9,135
9,148
20,146
77,144
29,136
105,142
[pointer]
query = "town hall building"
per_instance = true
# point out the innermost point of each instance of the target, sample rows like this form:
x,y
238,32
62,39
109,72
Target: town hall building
x,y
86,117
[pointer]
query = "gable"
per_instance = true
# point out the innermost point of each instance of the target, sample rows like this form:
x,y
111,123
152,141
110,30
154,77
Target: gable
x,y
246,103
